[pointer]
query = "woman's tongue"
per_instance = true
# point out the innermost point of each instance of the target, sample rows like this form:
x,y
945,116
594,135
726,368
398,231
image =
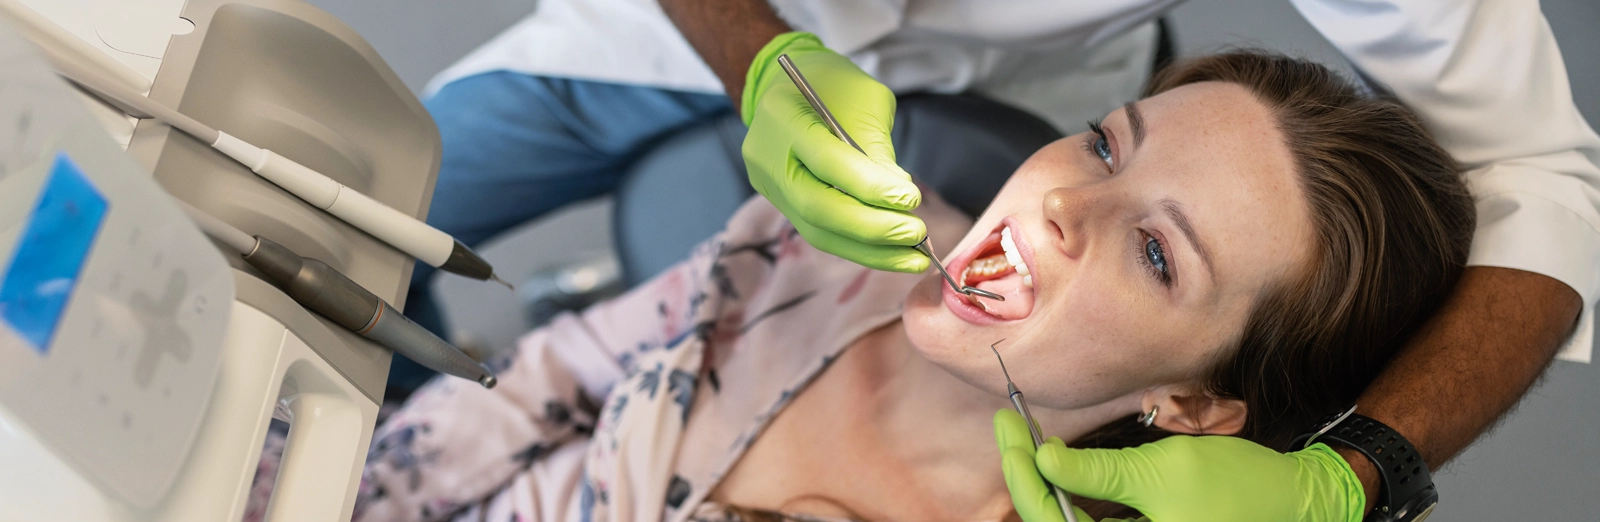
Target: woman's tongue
x,y
993,274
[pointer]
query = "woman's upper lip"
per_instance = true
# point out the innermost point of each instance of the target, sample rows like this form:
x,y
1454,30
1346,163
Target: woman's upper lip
x,y
1024,249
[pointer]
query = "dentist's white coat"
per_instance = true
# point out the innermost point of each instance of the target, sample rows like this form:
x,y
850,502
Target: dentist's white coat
x,y
1485,75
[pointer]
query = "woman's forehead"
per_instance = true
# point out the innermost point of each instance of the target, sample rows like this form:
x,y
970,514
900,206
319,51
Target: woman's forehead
x,y
1218,151
1220,108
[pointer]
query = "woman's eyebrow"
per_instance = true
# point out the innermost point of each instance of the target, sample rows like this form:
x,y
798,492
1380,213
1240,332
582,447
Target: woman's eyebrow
x,y
1136,121
1175,211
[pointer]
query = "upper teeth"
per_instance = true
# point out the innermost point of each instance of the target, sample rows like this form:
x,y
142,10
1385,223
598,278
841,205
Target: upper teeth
x,y
1010,247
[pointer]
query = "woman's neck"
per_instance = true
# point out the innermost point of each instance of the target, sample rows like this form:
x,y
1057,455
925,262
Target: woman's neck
x,y
936,424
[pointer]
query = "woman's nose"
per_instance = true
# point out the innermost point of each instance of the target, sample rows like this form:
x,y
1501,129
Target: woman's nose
x,y
1073,210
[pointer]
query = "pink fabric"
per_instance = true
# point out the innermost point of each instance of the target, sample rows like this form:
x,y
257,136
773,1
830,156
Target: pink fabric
x,y
636,408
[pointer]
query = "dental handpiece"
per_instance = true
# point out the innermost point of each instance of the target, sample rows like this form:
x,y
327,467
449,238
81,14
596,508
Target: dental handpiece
x,y
326,291
398,229
838,131
1063,501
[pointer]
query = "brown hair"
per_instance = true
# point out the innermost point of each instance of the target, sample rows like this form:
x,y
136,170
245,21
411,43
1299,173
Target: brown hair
x,y
1392,219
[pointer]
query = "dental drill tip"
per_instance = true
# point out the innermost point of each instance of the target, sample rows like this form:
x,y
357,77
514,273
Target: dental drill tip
x,y
488,381
1002,361
463,261
496,278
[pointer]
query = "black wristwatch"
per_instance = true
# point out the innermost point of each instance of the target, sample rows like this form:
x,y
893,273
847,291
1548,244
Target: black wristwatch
x,y
1407,493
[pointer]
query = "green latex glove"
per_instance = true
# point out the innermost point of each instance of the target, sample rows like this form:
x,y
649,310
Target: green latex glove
x,y
852,205
1182,478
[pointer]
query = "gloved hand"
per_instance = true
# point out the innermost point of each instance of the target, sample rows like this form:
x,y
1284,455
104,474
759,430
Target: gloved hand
x,y
845,203
1182,478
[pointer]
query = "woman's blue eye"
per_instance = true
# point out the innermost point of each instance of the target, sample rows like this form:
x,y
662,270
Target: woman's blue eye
x,y
1099,145
1156,258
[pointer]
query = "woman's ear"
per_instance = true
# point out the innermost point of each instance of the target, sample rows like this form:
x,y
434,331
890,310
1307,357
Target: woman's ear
x,y
1197,413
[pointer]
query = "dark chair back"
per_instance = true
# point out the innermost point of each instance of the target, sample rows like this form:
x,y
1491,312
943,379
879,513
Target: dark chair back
x,y
684,189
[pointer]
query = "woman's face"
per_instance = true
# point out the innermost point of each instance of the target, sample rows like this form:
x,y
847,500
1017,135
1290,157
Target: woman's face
x,y
1144,250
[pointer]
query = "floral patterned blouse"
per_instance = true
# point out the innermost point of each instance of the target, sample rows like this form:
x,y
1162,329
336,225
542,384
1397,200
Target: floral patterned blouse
x,y
636,408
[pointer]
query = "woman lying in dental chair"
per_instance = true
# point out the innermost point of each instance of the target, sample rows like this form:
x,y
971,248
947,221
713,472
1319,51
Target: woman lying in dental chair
x,y
1241,251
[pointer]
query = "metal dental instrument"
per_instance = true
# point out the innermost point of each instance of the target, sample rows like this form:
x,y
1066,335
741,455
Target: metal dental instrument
x,y
324,290
927,248
1062,500
397,229
833,125
816,102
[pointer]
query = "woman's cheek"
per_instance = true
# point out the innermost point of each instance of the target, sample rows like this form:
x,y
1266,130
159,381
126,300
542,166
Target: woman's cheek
x,y
1092,313
929,326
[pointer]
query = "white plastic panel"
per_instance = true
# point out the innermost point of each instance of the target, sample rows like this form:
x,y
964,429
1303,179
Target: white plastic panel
x,y
117,298
262,362
133,33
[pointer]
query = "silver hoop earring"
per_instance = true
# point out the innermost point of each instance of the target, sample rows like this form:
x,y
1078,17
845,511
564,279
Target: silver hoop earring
x,y
1148,419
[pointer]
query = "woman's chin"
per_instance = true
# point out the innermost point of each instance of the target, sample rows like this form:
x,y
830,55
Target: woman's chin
x,y
947,342
924,306
936,333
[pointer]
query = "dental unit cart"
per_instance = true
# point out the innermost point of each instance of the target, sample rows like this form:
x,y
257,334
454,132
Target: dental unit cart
x,y
139,366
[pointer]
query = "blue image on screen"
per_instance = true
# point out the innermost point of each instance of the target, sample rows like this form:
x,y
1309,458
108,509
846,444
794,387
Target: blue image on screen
x,y
49,256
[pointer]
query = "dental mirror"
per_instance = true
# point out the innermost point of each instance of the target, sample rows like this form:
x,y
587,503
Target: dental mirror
x,y
927,248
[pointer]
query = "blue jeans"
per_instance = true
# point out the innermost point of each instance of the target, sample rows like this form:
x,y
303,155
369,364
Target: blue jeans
x,y
518,146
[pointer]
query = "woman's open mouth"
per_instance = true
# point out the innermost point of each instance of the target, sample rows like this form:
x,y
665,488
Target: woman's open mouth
x,y
998,264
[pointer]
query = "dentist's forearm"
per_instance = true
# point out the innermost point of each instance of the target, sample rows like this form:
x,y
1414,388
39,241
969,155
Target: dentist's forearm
x,y
1470,363
727,34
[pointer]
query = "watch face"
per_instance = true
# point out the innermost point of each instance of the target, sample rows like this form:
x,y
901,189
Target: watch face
x,y
1425,512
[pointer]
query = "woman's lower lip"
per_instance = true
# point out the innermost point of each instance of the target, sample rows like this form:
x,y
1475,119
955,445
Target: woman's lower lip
x,y
962,307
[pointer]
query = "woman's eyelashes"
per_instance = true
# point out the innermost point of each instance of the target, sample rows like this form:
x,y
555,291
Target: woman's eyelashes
x,y
1097,144
1153,256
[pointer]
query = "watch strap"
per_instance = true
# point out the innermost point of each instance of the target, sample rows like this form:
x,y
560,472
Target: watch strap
x,y
1406,488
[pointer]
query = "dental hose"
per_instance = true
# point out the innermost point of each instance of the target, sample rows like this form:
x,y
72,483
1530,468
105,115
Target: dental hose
x,y
326,291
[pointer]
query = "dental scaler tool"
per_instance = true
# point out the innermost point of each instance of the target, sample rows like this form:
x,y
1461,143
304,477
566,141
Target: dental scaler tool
x,y
397,229
324,290
838,130
1062,500
927,248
